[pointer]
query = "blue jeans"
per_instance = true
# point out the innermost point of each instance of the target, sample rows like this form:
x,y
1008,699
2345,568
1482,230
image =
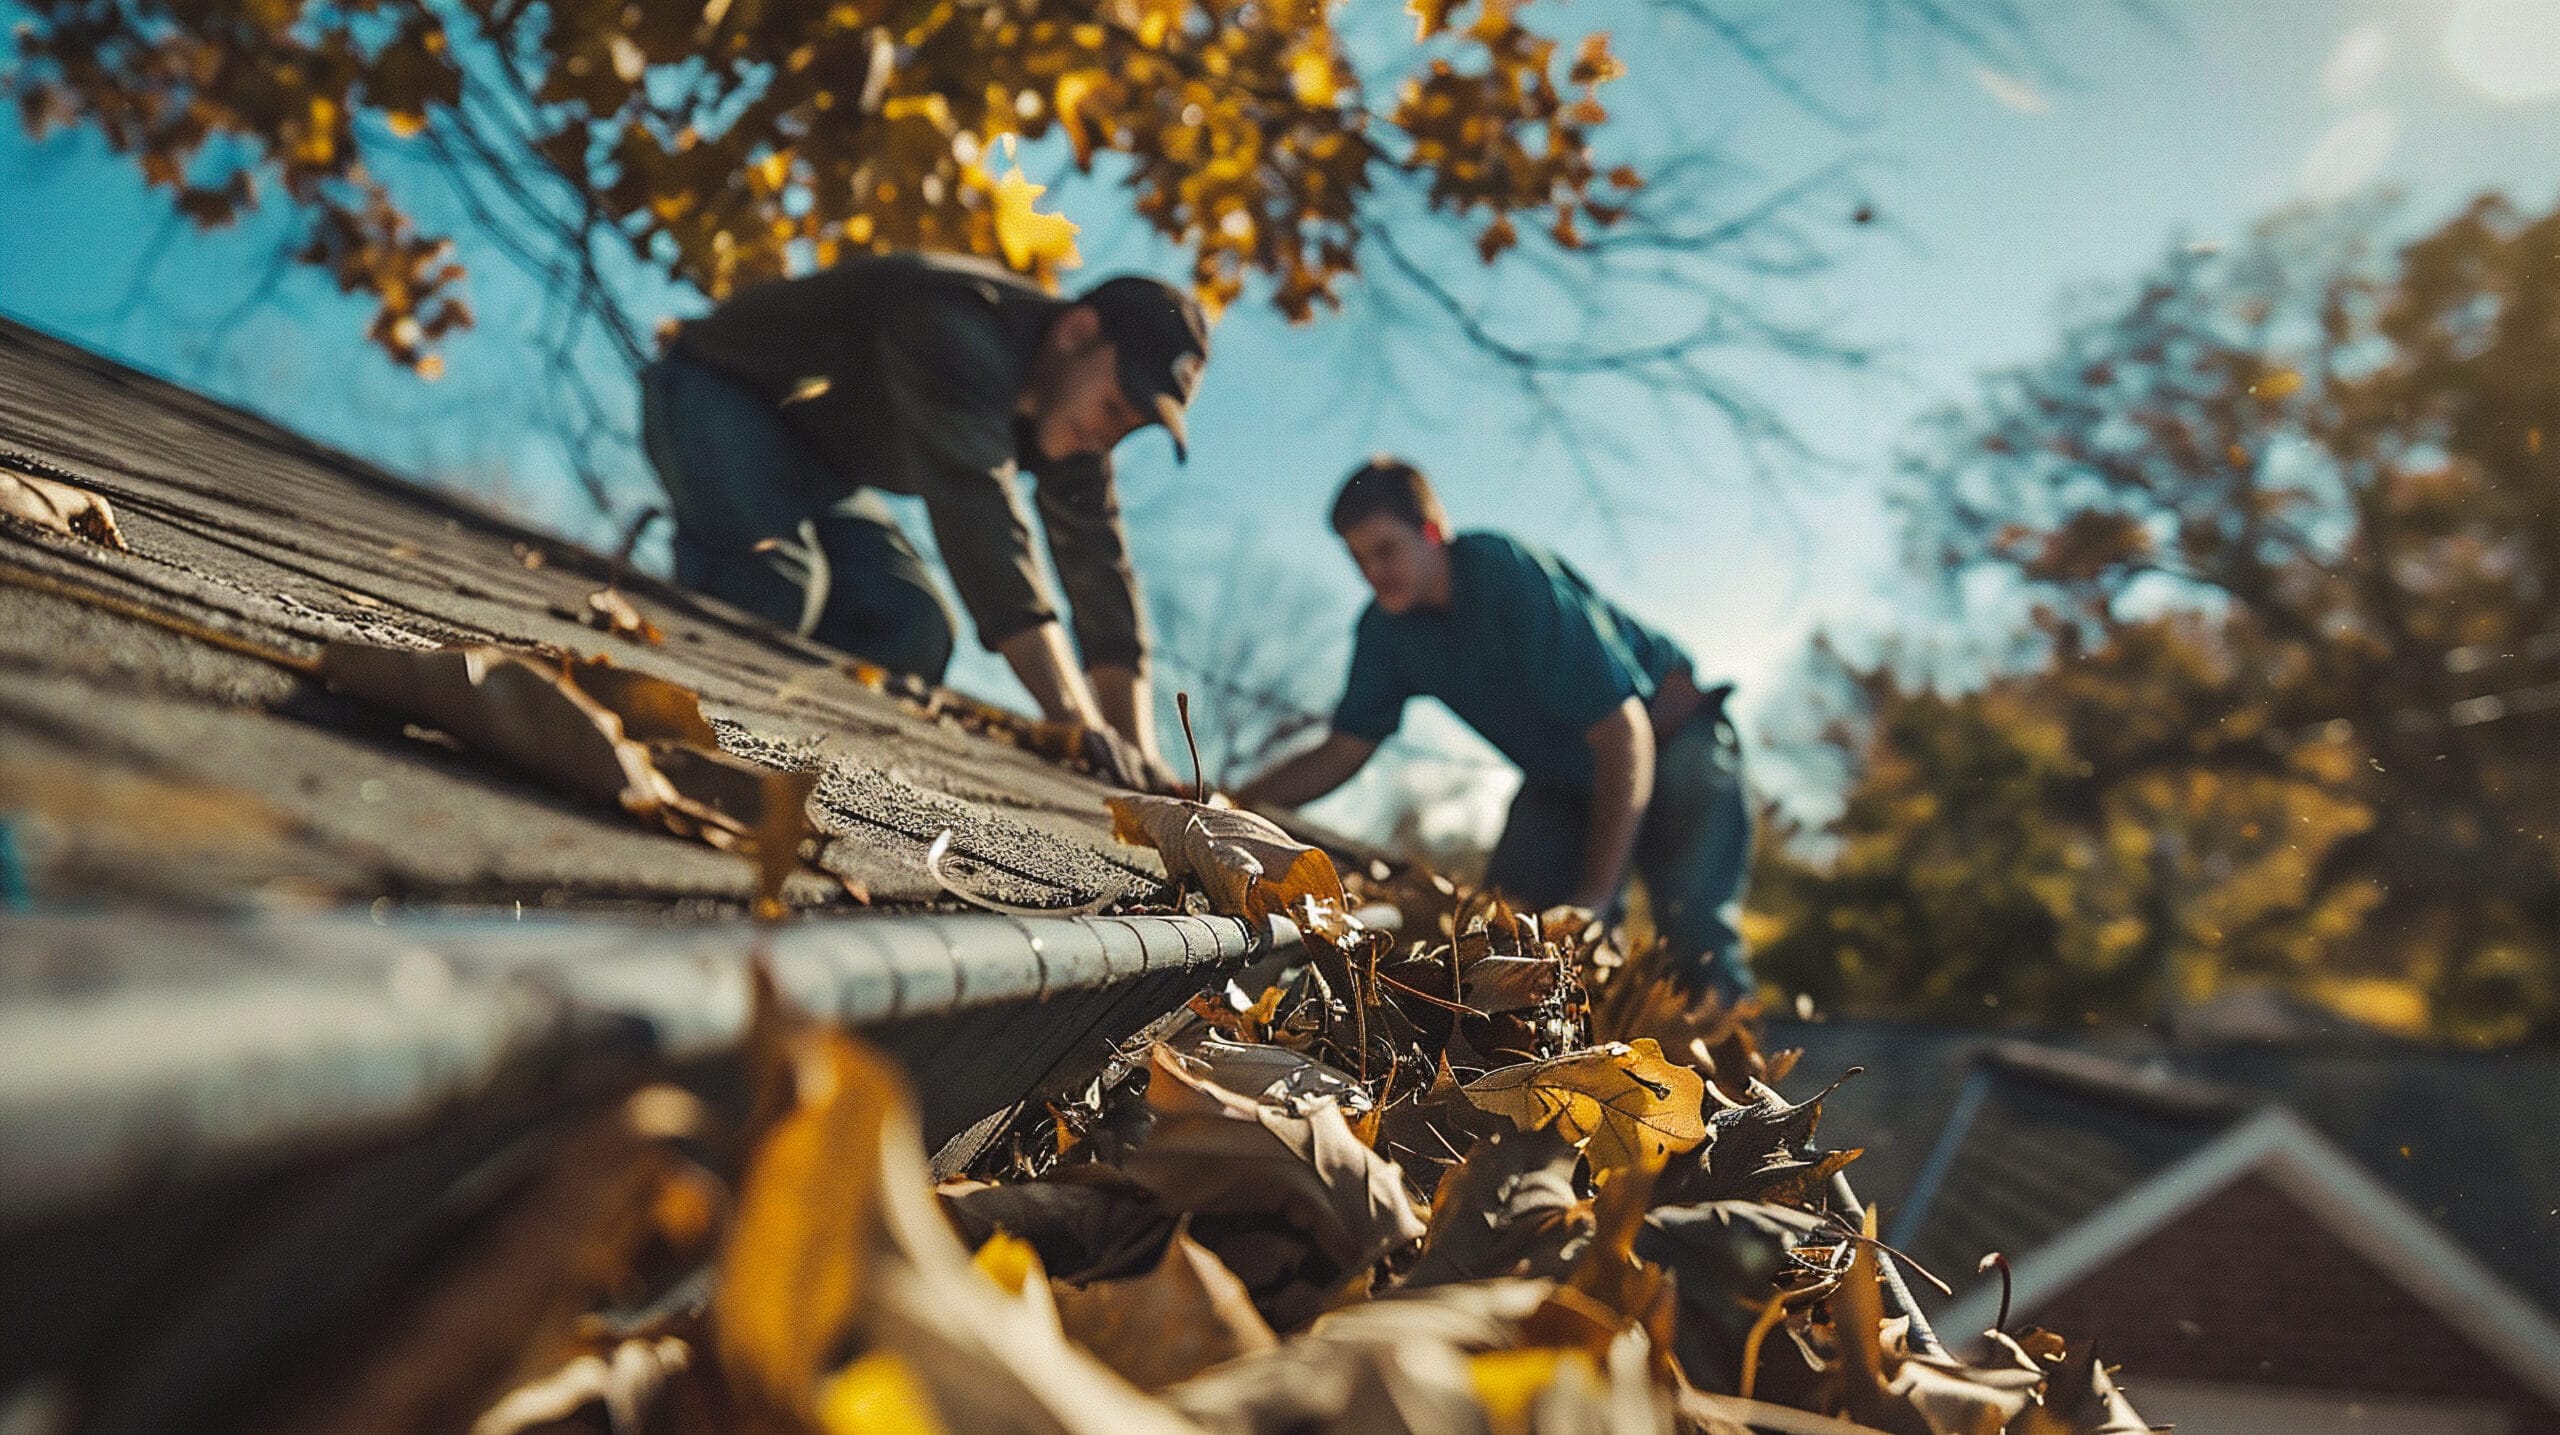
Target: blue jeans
x,y
763,520
1693,851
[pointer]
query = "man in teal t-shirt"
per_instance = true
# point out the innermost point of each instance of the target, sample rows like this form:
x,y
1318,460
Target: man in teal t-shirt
x,y
1625,764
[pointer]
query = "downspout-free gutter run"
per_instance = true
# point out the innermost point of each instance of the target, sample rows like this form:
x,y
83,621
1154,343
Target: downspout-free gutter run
x,y
136,1046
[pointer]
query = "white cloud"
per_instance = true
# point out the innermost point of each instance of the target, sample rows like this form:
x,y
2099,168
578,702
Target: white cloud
x,y
2356,63
2350,156
2012,92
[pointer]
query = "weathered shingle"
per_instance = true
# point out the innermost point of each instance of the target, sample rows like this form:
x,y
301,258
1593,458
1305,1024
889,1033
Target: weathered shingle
x,y
241,529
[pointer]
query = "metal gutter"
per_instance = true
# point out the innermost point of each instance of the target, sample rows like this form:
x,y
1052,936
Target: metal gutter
x,y
141,1047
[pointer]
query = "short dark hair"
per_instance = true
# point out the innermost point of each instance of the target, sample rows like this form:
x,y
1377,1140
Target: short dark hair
x,y
1390,486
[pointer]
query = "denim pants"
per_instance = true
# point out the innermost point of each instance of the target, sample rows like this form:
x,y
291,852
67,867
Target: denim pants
x,y
1693,851
763,520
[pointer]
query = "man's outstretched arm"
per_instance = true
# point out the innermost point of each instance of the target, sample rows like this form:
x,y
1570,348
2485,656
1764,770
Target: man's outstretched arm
x,y
1311,774
1091,555
1041,660
1621,790
1128,704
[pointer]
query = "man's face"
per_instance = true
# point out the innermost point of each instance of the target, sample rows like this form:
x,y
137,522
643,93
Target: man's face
x,y
1079,408
1403,564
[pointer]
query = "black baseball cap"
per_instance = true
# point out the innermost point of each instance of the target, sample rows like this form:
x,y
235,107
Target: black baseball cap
x,y
1162,339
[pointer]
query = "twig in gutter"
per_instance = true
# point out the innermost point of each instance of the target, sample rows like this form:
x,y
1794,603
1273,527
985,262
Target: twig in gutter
x,y
1999,1322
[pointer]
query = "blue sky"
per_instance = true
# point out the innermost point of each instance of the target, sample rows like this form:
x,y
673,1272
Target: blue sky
x,y
2003,189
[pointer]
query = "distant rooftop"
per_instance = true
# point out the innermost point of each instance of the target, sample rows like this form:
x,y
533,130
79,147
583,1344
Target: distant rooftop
x,y
1980,1141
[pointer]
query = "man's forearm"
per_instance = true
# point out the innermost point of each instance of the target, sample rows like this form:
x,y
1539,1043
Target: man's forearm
x,y
1040,658
1311,774
1127,703
1621,789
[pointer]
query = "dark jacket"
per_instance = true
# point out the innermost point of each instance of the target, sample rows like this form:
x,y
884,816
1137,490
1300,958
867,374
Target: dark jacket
x,y
904,369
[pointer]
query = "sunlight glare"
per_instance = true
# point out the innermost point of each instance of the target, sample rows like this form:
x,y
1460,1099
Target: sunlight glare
x,y
2356,63
2350,156
2012,92
2508,50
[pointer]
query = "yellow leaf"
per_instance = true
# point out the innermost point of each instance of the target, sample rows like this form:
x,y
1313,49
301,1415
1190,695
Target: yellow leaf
x,y
877,1395
1507,1382
799,1256
932,108
609,611
839,1244
2399,1007
1311,76
1009,1261
2277,385
1074,88
1032,242
1624,1100
318,145
1248,867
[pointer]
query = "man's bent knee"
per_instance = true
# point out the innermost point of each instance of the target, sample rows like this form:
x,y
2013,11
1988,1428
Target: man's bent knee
x,y
901,627
926,643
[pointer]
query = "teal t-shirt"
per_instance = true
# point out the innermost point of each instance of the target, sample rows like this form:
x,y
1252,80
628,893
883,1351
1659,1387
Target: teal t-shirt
x,y
1525,653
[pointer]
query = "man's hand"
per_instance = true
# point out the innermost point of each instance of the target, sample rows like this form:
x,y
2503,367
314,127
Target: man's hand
x,y
1675,701
1121,761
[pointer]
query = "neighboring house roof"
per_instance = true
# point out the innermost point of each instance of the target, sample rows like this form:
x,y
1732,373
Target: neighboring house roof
x,y
1979,1141
2040,1138
2268,1256
1893,1109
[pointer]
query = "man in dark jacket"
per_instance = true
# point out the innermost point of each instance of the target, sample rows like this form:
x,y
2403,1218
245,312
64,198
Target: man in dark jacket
x,y
1625,763
776,422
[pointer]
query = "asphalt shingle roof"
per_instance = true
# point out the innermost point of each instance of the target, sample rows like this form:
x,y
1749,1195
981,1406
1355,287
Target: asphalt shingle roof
x,y
143,764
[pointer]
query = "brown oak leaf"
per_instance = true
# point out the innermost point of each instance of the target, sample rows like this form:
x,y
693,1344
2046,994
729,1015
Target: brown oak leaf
x,y
1248,867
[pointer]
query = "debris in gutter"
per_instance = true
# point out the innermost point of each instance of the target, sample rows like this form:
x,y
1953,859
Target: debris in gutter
x,y
1248,867
609,612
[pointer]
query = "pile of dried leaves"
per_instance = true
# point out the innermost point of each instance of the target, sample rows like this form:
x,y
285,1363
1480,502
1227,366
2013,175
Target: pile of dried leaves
x,y
1482,1175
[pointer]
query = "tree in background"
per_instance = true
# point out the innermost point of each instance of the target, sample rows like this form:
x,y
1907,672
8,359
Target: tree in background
x,y
722,141
2286,535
